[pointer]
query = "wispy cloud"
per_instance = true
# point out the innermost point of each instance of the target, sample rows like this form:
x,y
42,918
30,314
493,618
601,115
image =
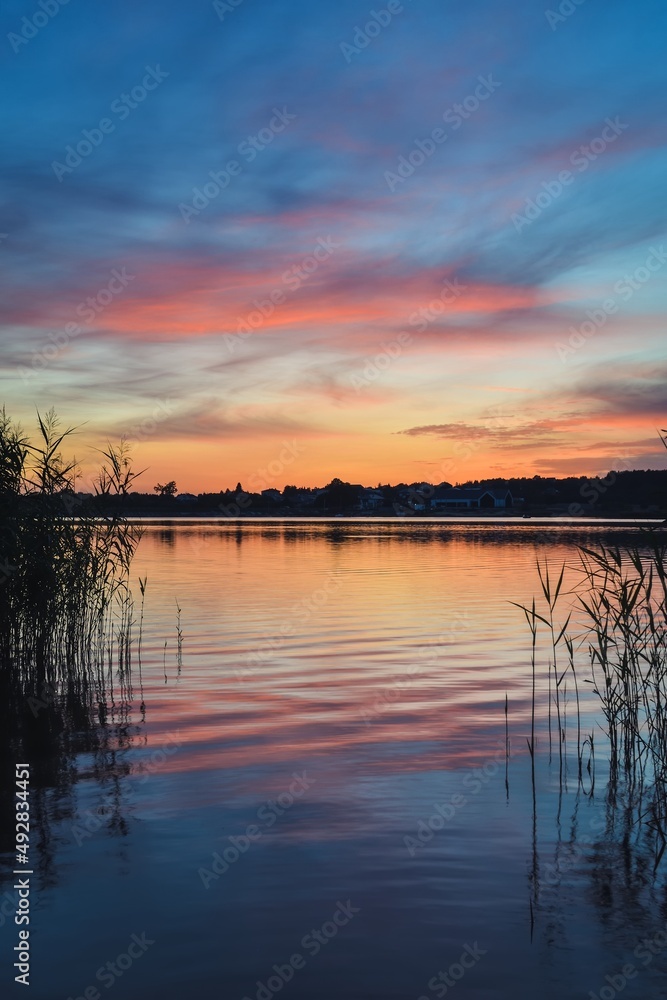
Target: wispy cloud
x,y
323,177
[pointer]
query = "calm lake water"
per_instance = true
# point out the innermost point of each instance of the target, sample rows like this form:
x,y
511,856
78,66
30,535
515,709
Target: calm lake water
x,y
339,692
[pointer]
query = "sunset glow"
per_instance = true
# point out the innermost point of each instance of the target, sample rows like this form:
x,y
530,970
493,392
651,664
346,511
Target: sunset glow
x,y
432,256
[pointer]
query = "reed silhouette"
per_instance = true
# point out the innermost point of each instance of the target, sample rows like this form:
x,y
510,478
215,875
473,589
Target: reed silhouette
x,y
66,618
615,631
66,610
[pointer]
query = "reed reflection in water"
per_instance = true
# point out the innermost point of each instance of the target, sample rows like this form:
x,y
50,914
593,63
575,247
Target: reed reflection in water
x,y
335,732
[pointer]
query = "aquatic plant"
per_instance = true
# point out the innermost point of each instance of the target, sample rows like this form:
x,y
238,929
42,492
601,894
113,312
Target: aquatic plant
x,y
66,609
624,601
615,631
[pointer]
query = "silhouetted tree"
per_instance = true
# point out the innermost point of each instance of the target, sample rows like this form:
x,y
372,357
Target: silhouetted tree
x,y
166,490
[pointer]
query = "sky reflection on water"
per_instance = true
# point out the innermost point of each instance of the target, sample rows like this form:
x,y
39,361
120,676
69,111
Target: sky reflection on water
x,y
342,690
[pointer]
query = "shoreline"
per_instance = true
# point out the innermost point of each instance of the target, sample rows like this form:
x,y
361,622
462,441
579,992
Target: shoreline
x,y
517,521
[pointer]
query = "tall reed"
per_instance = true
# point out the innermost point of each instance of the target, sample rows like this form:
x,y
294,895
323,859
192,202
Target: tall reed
x,y
65,604
617,625
615,630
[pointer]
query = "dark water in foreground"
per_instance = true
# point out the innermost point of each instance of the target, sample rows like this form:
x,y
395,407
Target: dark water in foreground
x,y
341,693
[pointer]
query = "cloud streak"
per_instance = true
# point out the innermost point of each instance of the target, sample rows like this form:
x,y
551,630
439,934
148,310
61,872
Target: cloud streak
x,y
323,178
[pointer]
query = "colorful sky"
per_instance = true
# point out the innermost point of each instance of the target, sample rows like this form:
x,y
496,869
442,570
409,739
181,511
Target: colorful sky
x,y
364,291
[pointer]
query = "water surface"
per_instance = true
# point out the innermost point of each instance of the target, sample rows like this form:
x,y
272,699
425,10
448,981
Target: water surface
x,y
339,690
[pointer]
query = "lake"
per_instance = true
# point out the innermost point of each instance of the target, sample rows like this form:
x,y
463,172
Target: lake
x,y
309,793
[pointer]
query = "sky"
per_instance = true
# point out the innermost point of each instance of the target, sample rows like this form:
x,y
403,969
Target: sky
x,y
293,241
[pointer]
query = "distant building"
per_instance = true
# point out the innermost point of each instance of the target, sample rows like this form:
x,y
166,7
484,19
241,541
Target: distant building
x,y
275,495
472,498
416,497
186,497
370,499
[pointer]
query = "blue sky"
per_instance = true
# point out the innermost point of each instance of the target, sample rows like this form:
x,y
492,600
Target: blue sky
x,y
490,381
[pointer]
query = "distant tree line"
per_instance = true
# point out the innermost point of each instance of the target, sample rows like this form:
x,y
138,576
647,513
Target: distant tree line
x,y
640,491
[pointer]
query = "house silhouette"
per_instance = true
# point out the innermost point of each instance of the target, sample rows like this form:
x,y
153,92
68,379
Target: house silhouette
x,y
471,498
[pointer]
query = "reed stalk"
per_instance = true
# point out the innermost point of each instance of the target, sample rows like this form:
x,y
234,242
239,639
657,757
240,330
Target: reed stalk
x,y
617,623
66,611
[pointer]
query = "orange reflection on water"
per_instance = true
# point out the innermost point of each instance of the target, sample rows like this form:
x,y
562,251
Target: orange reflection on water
x,y
391,644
